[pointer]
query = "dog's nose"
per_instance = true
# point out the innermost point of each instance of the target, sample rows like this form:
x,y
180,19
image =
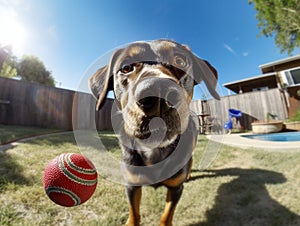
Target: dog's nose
x,y
156,96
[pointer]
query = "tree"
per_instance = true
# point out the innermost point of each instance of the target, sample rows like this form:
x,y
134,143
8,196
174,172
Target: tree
x,y
32,69
8,70
4,52
280,18
8,62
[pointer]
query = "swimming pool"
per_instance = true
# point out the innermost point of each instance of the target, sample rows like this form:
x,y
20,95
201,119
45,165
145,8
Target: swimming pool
x,y
283,137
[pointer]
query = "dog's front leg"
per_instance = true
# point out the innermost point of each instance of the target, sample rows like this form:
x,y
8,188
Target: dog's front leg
x,y
134,194
172,199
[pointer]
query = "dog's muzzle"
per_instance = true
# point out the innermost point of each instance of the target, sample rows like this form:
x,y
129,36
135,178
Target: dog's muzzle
x,y
157,96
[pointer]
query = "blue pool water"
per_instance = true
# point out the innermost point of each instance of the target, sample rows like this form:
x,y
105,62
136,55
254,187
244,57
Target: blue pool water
x,y
288,136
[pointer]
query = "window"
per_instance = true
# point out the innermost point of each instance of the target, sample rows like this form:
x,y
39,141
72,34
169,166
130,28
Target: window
x,y
296,75
263,88
291,77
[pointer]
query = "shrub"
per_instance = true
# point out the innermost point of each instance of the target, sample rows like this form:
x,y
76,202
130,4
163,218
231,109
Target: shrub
x,y
296,116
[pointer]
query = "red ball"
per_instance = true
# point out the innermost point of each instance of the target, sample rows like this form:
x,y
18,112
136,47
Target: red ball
x,y
70,179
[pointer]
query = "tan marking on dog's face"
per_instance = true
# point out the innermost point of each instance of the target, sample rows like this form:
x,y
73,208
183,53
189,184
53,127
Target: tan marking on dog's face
x,y
133,51
164,45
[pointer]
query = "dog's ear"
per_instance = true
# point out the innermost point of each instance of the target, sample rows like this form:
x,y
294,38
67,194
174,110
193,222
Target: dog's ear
x,y
100,83
103,80
204,71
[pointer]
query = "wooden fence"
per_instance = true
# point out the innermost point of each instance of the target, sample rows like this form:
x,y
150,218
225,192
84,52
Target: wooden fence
x,y
30,104
254,106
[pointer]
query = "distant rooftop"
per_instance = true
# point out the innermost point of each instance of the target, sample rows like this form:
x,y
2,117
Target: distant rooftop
x,y
268,77
253,78
282,61
280,65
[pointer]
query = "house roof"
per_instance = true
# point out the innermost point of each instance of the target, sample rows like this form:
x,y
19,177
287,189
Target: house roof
x,y
252,79
268,76
277,62
248,84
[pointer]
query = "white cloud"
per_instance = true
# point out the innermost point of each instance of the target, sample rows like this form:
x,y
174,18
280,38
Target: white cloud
x,y
245,54
228,47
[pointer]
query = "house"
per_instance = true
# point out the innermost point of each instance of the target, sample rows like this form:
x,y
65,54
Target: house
x,y
282,74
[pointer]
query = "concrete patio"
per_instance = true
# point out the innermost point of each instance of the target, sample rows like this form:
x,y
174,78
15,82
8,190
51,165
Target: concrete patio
x,y
237,140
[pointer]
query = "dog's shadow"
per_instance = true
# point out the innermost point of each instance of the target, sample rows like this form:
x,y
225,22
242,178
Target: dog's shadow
x,y
246,201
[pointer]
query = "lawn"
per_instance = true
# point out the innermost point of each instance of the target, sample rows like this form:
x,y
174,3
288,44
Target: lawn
x,y
241,187
12,133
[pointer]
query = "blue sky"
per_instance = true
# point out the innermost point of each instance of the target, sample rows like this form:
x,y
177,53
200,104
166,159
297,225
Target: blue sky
x,y
69,35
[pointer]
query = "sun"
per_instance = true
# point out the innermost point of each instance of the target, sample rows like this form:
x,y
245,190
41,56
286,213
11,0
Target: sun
x,y
12,31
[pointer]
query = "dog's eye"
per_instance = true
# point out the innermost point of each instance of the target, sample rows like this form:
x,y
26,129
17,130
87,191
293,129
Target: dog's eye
x,y
127,68
179,61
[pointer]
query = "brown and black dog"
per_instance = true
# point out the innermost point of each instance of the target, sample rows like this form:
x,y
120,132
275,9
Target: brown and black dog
x,y
153,85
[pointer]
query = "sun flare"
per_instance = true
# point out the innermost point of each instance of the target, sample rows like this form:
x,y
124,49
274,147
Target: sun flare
x,y
12,32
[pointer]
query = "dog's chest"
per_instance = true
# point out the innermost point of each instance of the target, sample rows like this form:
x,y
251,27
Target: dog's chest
x,y
143,156
151,157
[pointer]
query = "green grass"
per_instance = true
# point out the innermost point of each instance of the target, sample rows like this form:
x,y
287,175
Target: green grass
x,y
241,187
12,133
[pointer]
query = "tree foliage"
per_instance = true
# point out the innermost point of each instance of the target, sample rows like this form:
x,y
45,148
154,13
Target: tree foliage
x,y
9,69
8,62
279,18
32,69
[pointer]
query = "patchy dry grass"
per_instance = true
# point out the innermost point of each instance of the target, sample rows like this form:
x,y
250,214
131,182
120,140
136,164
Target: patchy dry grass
x,y
241,187
12,133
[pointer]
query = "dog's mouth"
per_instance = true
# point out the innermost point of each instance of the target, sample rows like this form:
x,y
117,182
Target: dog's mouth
x,y
145,130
